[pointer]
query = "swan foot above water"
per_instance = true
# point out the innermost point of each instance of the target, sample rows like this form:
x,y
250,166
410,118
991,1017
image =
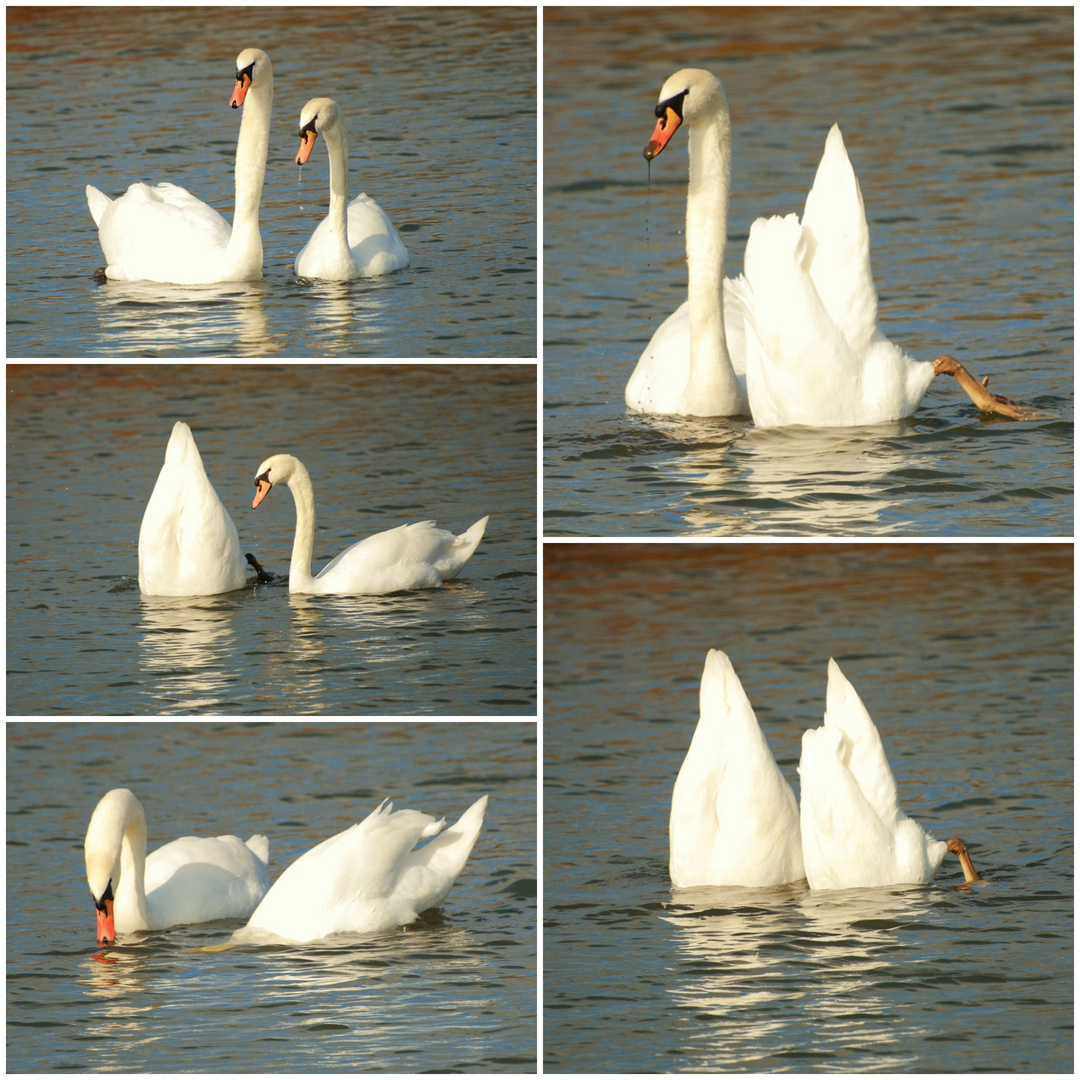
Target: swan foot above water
x,y
959,849
984,401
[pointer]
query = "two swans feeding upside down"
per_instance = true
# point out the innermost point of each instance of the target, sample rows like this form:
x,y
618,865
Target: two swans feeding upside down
x,y
734,819
795,338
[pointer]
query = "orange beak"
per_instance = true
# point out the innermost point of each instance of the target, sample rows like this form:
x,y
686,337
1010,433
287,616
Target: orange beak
x,y
106,927
307,142
665,128
243,84
261,489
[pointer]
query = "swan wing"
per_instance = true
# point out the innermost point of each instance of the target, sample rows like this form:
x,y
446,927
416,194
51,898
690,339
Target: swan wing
x,y
845,842
364,879
374,247
188,545
734,820
416,556
196,879
160,232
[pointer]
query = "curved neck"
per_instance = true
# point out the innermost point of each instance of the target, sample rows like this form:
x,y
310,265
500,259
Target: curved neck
x,y
712,378
251,149
129,894
337,146
300,565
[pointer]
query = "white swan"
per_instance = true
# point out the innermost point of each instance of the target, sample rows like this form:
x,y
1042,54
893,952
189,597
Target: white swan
x,y
853,830
795,339
734,820
418,556
190,880
369,878
187,541
164,233
370,246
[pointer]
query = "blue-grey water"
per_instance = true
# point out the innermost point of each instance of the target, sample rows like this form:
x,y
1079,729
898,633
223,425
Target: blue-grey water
x,y
447,148
384,443
456,992
963,654
959,122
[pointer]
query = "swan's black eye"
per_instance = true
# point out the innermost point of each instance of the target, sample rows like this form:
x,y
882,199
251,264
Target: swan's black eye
x,y
675,104
309,126
249,71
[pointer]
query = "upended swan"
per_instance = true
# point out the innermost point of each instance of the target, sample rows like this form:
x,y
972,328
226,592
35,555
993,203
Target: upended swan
x,y
853,830
164,233
417,556
795,338
190,880
734,820
187,541
359,243
369,878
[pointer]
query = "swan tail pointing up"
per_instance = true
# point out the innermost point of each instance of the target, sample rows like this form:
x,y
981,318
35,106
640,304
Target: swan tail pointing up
x,y
461,549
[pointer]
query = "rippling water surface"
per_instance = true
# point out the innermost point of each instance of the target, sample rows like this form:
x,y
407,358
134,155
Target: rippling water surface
x,y
963,655
449,154
385,444
456,992
959,123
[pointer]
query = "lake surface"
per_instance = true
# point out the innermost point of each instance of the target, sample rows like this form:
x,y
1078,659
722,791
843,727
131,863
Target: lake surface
x,y
448,152
959,123
384,444
963,655
456,992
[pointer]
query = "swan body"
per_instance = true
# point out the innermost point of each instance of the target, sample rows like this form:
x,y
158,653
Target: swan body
x,y
353,240
369,878
162,232
417,556
187,541
734,819
853,830
190,880
794,339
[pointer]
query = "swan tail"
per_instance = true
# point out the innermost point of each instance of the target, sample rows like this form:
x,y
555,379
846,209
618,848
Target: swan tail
x,y
430,871
260,847
462,548
838,255
98,202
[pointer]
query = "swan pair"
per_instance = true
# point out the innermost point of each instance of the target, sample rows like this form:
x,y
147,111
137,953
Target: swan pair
x,y
734,819
795,338
188,544
369,878
164,233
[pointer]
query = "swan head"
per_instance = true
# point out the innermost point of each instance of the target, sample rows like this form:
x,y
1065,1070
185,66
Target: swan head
x,y
103,852
688,96
252,65
279,469
319,114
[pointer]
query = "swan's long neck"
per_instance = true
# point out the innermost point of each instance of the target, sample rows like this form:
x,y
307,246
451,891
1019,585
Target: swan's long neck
x,y
300,565
337,146
712,384
129,893
251,149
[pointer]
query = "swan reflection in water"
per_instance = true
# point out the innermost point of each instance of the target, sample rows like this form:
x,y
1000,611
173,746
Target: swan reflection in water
x,y
832,480
183,642
743,957
144,313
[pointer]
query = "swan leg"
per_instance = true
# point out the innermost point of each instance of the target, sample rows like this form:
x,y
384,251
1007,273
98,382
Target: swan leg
x,y
985,401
